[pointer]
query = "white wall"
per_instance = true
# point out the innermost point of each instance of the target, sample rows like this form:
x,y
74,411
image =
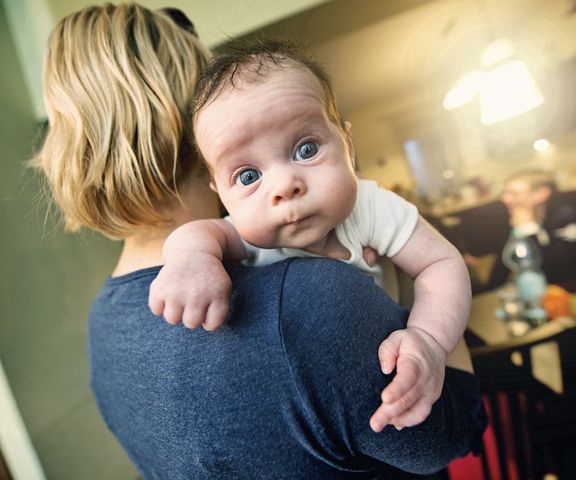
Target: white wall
x,y
15,442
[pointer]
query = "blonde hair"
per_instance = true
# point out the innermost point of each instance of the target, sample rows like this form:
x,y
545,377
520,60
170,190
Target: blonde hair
x,y
118,88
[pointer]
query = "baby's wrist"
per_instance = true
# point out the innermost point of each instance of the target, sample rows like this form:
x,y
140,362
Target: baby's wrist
x,y
430,339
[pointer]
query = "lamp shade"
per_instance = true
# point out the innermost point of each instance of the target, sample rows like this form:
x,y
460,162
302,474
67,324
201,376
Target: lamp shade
x,y
508,90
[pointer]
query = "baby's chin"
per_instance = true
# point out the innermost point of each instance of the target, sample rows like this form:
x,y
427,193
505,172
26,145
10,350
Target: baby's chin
x,y
302,240
302,244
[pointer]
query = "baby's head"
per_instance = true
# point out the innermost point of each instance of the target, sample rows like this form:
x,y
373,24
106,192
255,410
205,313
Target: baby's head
x,y
252,62
281,158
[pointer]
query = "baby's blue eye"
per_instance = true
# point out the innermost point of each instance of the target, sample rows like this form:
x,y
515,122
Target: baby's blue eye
x,y
306,151
248,176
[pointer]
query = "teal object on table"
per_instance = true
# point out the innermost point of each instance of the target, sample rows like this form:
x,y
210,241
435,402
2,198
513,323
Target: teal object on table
x,y
521,255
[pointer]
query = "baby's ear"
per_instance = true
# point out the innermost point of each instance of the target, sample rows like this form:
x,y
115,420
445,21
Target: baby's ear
x,y
349,142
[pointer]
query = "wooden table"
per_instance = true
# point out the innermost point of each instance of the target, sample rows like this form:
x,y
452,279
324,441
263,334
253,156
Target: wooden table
x,y
493,332
483,321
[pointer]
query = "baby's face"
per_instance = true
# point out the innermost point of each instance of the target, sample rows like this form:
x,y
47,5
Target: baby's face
x,y
282,169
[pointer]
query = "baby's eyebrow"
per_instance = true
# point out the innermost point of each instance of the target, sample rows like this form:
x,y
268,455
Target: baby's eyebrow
x,y
229,148
226,164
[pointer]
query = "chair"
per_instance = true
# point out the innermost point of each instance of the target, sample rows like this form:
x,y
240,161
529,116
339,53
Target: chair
x,y
532,416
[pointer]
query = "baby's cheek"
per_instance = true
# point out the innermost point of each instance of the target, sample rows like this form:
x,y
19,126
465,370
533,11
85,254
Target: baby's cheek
x,y
255,232
241,220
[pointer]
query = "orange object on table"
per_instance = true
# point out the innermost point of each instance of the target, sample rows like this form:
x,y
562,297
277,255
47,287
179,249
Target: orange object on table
x,y
556,301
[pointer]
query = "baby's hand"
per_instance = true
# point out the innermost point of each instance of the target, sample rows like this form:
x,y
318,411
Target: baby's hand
x,y
420,362
194,293
370,255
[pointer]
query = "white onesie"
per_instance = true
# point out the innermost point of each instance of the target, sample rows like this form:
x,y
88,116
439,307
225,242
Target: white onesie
x,y
380,219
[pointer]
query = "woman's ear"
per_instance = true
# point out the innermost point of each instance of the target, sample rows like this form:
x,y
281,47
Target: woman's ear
x,y
213,186
349,142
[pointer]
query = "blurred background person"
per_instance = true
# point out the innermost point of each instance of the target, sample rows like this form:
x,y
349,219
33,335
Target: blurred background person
x,y
537,209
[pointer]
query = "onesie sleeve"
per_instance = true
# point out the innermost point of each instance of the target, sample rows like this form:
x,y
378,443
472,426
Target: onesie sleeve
x,y
385,218
331,339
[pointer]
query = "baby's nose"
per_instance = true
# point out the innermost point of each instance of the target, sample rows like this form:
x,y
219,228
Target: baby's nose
x,y
288,189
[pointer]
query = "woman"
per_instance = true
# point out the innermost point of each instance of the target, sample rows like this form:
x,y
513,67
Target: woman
x,y
272,394
118,152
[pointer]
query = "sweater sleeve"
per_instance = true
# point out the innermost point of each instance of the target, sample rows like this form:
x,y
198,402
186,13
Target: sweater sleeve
x,y
331,340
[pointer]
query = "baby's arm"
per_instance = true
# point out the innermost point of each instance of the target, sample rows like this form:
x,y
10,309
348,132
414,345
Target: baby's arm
x,y
435,326
193,286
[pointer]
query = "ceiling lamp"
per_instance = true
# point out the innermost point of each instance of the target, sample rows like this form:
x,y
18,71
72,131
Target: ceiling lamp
x,y
505,87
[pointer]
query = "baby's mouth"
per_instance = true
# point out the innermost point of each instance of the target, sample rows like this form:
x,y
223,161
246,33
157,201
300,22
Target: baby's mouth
x,y
298,221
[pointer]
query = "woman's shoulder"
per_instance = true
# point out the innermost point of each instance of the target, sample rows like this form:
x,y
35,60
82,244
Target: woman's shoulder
x,y
335,297
124,295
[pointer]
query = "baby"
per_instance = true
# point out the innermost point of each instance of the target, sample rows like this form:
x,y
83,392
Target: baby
x,y
282,161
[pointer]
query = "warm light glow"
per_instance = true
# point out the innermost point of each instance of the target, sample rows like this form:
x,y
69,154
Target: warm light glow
x,y
508,91
448,174
541,145
505,90
465,90
496,52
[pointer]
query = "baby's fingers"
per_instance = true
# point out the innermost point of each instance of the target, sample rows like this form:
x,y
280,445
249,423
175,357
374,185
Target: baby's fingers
x,y
156,304
173,313
216,315
391,414
407,375
404,412
155,299
380,418
415,415
193,317
388,354
400,415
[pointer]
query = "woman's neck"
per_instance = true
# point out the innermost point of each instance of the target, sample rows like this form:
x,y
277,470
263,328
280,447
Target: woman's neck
x,y
141,251
144,248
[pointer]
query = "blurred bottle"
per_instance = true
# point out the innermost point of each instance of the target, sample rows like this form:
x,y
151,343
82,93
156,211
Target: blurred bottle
x,y
521,255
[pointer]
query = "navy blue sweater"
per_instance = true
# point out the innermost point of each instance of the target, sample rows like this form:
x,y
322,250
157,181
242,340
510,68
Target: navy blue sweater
x,y
284,390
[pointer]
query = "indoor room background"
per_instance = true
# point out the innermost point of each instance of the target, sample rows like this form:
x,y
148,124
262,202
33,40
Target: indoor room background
x,y
404,73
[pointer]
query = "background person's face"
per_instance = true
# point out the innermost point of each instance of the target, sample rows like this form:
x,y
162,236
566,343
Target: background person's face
x,y
519,194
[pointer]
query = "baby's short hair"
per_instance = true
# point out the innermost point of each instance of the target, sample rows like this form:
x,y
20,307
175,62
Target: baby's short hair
x,y
256,57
